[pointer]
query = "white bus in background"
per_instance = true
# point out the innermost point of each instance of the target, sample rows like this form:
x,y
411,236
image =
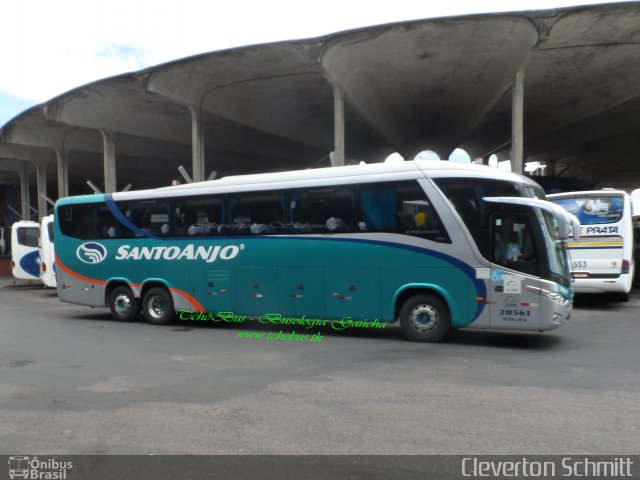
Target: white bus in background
x,y
25,262
3,242
602,260
636,246
47,255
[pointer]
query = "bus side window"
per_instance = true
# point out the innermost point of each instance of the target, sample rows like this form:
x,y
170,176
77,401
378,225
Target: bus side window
x,y
77,221
466,197
322,210
148,216
198,216
259,212
378,205
399,207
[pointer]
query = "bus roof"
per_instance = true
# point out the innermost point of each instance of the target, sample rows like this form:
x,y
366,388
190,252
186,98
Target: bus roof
x,y
357,174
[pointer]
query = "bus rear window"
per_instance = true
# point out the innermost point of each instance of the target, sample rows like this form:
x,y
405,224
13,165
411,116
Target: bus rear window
x,y
593,210
28,236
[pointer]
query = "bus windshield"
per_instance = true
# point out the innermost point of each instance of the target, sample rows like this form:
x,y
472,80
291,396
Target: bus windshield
x,y
555,248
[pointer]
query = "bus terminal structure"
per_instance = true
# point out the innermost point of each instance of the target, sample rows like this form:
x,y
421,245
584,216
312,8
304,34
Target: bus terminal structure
x,y
558,86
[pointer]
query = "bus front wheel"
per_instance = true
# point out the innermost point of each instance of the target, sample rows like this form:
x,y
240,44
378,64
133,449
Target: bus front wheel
x,y
157,306
424,318
124,306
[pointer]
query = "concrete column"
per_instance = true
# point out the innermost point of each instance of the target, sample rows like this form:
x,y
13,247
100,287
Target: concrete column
x,y
517,123
109,150
338,126
63,174
24,191
197,144
41,176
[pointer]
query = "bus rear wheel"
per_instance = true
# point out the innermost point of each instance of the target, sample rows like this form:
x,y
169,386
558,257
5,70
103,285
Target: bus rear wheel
x,y
157,306
123,305
424,318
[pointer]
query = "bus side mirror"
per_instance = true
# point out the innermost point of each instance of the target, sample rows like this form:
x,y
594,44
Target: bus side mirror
x,y
564,230
569,227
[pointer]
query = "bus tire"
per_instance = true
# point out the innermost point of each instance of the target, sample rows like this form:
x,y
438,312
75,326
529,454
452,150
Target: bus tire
x,y
424,318
123,305
623,297
157,306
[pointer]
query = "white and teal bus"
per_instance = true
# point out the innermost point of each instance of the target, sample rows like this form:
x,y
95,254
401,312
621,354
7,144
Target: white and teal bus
x,y
602,259
434,245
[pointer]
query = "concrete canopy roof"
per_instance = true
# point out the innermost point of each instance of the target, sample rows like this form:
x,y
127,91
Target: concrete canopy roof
x,y
427,84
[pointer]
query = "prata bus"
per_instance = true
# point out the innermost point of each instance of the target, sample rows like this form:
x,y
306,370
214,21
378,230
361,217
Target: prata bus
x,y
602,259
430,244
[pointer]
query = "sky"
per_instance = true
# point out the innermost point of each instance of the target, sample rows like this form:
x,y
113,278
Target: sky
x,y
50,47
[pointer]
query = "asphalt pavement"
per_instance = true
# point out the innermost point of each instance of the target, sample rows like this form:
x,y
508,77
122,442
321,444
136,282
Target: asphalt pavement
x,y
73,381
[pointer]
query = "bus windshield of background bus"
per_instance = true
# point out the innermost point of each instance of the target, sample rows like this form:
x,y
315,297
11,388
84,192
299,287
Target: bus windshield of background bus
x,y
593,210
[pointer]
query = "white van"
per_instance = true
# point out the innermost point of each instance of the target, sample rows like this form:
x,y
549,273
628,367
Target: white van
x,y
47,254
25,261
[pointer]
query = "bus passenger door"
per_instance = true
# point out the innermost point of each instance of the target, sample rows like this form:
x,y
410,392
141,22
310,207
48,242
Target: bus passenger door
x,y
352,292
217,292
514,254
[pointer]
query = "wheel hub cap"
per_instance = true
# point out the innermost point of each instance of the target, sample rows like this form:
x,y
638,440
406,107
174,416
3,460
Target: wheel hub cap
x,y
157,307
424,318
122,304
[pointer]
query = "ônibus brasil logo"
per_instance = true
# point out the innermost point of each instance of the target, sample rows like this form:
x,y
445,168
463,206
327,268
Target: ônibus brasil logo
x,y
91,252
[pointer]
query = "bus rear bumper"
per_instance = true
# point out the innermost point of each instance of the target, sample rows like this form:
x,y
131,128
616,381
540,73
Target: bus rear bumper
x,y
621,284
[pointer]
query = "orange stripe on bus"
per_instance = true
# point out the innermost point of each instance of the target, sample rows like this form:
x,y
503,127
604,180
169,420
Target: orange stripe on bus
x,y
193,301
77,275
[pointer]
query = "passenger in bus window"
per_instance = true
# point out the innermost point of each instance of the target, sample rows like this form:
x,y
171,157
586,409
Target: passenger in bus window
x,y
513,247
420,219
336,224
201,226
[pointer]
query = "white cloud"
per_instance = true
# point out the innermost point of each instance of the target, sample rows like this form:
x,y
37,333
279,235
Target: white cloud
x,y
53,46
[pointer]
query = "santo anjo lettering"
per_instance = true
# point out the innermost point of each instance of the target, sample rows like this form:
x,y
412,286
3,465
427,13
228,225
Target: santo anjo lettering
x,y
190,252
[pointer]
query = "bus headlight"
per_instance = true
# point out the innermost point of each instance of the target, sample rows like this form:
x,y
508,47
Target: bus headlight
x,y
555,296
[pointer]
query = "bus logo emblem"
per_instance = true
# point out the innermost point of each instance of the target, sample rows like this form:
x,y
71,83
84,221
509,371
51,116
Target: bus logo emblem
x,y
91,252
